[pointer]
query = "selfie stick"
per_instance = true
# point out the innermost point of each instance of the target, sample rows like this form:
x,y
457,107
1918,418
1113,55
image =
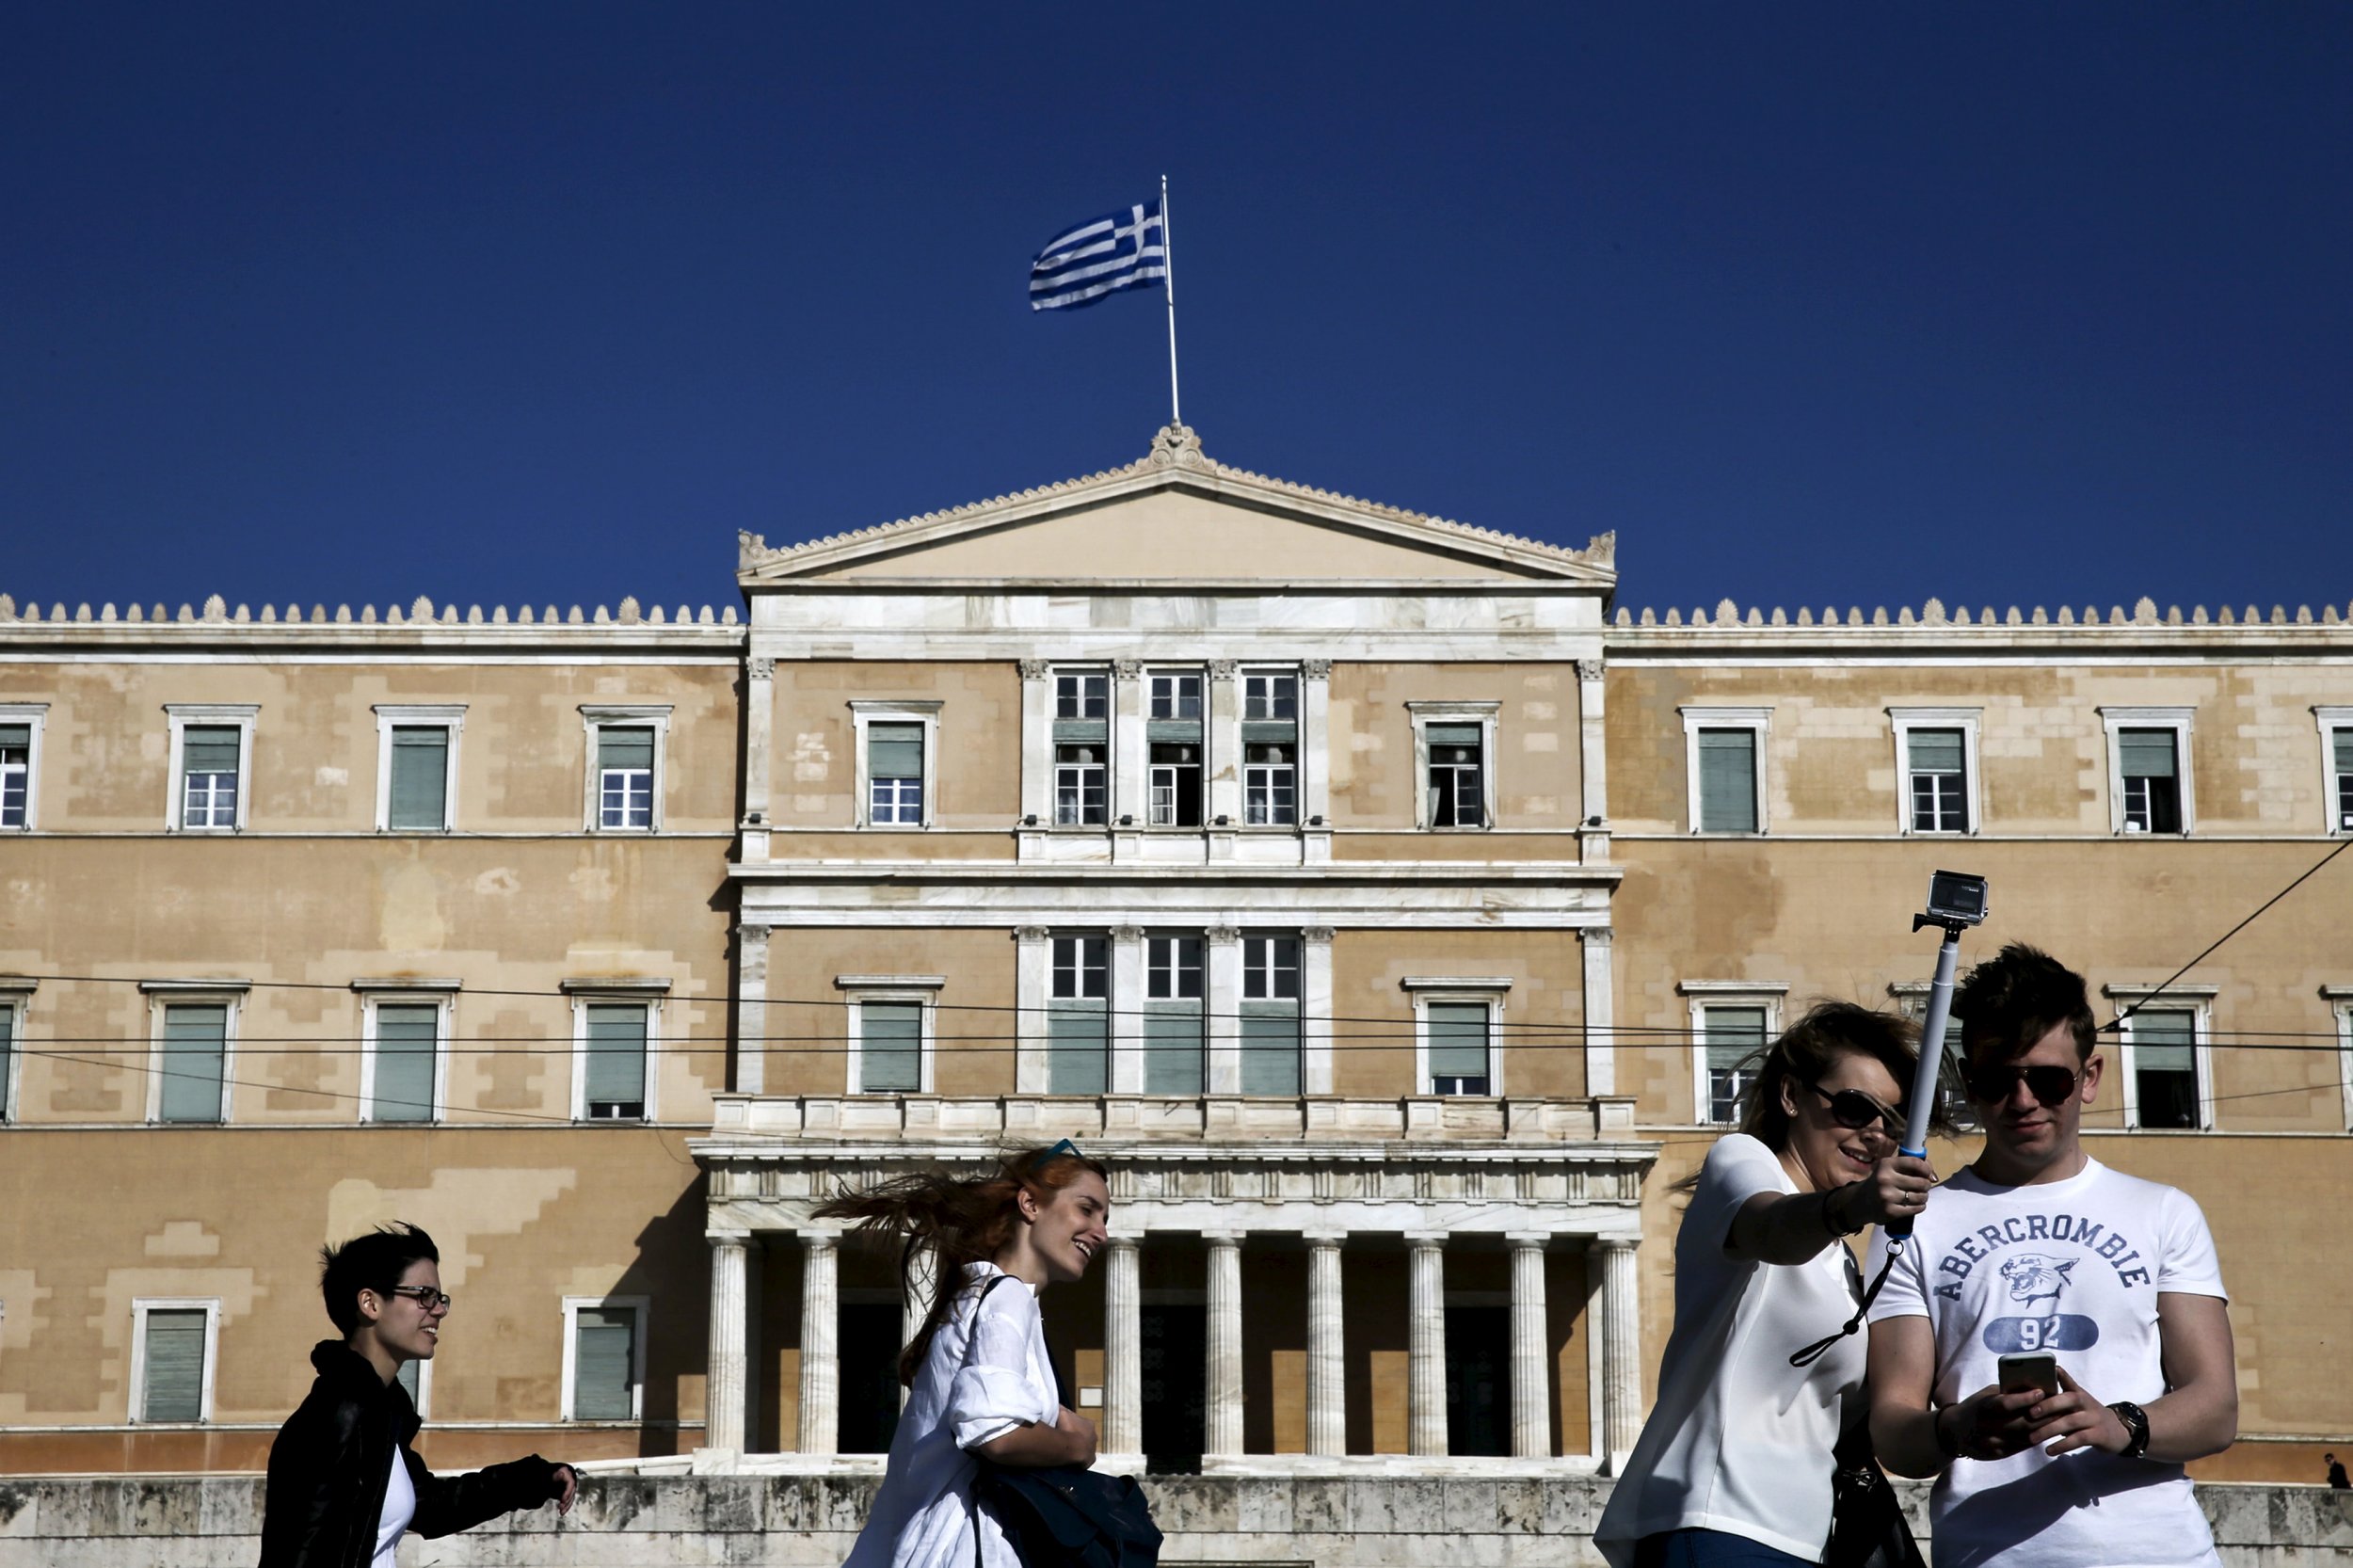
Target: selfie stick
x,y
1952,916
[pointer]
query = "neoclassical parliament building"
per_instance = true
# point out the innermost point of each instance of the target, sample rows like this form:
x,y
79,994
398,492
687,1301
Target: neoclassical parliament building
x,y
1387,907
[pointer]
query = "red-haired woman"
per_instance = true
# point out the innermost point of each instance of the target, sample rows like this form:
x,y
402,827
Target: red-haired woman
x,y
977,1376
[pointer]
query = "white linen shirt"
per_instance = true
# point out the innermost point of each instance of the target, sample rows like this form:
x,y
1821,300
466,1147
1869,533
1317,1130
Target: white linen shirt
x,y
981,1377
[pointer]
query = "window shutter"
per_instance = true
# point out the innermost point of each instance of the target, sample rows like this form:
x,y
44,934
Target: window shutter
x,y
1077,1047
403,1091
2146,753
2164,1042
1270,1051
174,1367
1727,781
196,1040
420,786
617,1060
1453,734
624,746
891,1046
209,748
1173,1060
1458,1039
1734,1034
604,1364
1936,750
2344,740
19,735
894,751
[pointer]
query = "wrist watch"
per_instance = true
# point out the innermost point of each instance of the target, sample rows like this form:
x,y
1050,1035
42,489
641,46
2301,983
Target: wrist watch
x,y
2135,1427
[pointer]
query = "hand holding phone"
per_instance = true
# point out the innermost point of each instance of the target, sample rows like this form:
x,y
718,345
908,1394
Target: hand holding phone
x,y
2022,1371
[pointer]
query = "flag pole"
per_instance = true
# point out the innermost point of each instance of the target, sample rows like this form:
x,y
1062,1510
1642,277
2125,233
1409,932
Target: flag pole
x,y
1168,282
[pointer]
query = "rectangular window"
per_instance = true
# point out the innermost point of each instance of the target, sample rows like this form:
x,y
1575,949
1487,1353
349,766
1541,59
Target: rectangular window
x,y
1081,786
208,774
420,779
2341,778
1456,791
2164,1053
891,1047
625,775
1176,784
7,1060
1269,785
1936,765
1459,1048
1084,696
616,1088
16,774
1174,1043
1270,697
2149,768
408,1042
1270,1015
1078,1017
1732,1037
604,1364
1174,766
1727,780
1175,695
174,1342
196,1051
894,770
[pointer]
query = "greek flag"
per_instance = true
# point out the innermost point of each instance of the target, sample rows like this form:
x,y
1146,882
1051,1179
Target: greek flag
x,y
1119,251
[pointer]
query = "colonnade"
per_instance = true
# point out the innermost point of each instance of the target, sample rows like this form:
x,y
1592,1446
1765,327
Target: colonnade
x,y
1613,1298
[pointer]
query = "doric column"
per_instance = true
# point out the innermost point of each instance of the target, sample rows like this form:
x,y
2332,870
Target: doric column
x,y
820,1353
1532,1413
725,1406
1620,1352
1327,1365
751,1009
1425,1383
1123,1349
1126,1004
1601,1013
1222,1420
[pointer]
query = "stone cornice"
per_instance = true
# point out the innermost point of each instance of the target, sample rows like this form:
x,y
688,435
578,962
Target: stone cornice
x,y
419,625
1728,627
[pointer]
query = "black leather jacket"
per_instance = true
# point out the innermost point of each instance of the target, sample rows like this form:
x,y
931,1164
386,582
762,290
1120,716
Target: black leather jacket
x,y
332,1458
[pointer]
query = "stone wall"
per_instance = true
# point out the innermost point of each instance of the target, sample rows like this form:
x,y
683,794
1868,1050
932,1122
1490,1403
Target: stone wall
x,y
639,1521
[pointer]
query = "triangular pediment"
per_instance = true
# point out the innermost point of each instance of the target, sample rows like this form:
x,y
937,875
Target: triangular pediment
x,y
1175,516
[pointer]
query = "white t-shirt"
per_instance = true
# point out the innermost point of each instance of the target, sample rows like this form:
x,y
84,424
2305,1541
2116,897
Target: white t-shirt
x,y
400,1506
2075,1268
1740,1440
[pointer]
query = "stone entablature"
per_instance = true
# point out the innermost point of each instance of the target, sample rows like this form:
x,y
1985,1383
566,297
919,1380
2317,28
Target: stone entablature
x,y
419,614
2037,622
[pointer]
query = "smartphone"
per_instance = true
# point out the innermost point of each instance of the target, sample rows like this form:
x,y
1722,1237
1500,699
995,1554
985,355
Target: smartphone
x,y
2025,1369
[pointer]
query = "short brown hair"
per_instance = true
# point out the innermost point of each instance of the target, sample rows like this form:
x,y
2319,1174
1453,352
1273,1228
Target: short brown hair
x,y
1810,1047
2018,996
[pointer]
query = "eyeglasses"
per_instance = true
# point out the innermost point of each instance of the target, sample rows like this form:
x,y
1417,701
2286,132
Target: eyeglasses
x,y
1854,1110
2048,1083
424,1295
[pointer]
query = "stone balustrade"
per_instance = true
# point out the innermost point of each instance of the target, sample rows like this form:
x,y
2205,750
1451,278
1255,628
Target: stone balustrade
x,y
1438,1119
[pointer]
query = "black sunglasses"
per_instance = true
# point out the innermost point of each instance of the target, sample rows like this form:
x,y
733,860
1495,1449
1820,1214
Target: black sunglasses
x,y
2049,1083
1854,1110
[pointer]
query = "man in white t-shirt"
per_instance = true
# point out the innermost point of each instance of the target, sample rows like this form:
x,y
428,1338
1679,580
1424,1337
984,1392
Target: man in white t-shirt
x,y
2038,1247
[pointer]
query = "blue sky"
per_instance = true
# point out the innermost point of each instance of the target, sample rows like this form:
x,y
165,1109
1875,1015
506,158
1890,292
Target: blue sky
x,y
1812,305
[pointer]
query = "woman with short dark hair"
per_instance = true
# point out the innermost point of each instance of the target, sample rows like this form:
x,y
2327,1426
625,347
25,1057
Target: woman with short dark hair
x,y
1735,1464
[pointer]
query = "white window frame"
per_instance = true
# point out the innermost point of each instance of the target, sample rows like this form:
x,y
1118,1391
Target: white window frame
x,y
180,716
1485,715
1759,722
162,994
2330,720
2117,720
625,716
1488,991
37,716
1966,720
2340,999
1701,995
2196,1000
449,716
16,999
1260,774
1081,672
140,1308
642,1306
920,991
649,992
865,713
1245,674
440,994
1194,672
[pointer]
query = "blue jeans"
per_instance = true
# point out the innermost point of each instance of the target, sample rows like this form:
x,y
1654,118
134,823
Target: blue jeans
x,y
1694,1548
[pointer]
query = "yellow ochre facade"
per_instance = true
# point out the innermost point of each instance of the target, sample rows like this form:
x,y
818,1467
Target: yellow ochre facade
x,y
1384,906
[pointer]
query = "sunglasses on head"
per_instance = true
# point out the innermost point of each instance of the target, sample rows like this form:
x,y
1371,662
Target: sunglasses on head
x,y
2049,1083
1854,1110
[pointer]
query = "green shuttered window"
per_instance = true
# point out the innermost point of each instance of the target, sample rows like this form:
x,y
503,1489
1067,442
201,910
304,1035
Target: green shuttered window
x,y
891,1047
2343,751
208,775
195,1047
1458,1048
624,775
173,1365
402,1090
8,1050
604,1364
420,781
16,774
1727,780
617,1061
2165,1067
894,770
2147,753
1733,1036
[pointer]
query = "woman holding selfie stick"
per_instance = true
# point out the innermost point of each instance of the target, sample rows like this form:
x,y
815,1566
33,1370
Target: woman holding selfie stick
x,y
977,1375
1735,1464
